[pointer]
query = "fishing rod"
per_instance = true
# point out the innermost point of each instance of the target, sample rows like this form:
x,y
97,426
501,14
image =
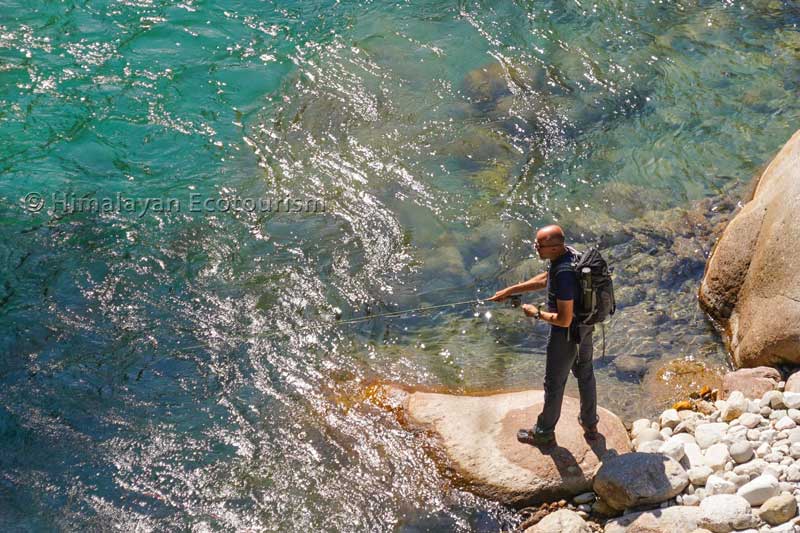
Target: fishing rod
x,y
514,300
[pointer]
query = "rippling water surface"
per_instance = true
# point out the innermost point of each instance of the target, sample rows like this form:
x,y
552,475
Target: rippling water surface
x,y
182,369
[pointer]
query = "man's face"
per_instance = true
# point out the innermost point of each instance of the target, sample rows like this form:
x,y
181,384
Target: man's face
x,y
546,249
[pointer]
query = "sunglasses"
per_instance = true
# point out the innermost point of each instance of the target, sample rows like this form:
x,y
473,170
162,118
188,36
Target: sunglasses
x,y
536,245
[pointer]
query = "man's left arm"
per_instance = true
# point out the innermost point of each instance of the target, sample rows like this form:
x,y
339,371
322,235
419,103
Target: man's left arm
x,y
562,318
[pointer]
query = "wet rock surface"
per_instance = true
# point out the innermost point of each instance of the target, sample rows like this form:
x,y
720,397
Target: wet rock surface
x,y
478,436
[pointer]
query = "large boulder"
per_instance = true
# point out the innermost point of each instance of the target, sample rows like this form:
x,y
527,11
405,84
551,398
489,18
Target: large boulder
x,y
675,518
636,479
752,382
479,437
562,521
793,383
751,283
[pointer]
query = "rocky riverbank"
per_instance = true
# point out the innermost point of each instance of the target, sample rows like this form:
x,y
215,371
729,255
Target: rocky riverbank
x,y
714,465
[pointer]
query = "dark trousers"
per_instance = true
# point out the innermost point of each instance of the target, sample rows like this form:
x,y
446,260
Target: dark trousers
x,y
562,355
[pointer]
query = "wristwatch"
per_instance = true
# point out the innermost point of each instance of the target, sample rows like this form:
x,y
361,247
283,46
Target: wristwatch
x,y
538,314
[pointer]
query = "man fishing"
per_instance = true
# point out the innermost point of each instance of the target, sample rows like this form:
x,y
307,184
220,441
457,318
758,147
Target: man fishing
x,y
569,346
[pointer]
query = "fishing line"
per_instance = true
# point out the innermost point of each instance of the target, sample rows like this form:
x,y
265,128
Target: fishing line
x,y
357,320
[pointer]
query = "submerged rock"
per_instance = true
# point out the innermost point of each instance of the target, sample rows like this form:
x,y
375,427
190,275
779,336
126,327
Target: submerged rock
x,y
478,436
630,365
678,378
751,282
487,83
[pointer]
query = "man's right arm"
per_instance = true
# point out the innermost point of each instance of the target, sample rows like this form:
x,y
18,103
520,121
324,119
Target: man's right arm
x,y
534,284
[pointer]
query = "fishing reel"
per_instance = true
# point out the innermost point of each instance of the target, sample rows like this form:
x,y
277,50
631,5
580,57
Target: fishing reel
x,y
515,300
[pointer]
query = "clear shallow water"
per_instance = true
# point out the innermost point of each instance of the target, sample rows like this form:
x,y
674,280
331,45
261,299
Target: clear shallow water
x,y
142,384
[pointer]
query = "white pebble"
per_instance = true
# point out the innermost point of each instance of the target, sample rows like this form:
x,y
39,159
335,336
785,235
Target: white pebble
x,y
791,400
760,489
763,449
691,500
672,448
785,423
669,418
794,450
699,475
749,420
773,398
718,485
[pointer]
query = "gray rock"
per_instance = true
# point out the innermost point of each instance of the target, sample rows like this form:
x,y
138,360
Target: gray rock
x,y
630,364
585,497
634,479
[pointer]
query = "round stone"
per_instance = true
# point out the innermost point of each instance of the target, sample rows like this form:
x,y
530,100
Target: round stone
x,y
778,509
741,451
749,420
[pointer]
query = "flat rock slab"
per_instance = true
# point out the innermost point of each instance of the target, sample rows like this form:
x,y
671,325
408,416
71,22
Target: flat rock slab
x,y
479,436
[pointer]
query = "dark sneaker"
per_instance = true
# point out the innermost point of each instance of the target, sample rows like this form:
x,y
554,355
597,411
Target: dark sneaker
x,y
535,437
589,432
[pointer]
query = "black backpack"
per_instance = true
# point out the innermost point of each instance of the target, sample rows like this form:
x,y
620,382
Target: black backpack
x,y
596,302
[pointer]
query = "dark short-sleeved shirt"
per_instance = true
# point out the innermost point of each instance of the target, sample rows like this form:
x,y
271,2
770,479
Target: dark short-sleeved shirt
x,y
562,282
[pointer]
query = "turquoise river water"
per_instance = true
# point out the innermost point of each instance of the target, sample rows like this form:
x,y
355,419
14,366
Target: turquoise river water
x,y
192,192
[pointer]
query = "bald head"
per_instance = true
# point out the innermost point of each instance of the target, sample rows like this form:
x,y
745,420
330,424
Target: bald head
x,y
551,234
550,242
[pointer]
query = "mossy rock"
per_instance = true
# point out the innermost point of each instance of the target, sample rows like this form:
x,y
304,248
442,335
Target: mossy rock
x,y
487,83
480,145
675,380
